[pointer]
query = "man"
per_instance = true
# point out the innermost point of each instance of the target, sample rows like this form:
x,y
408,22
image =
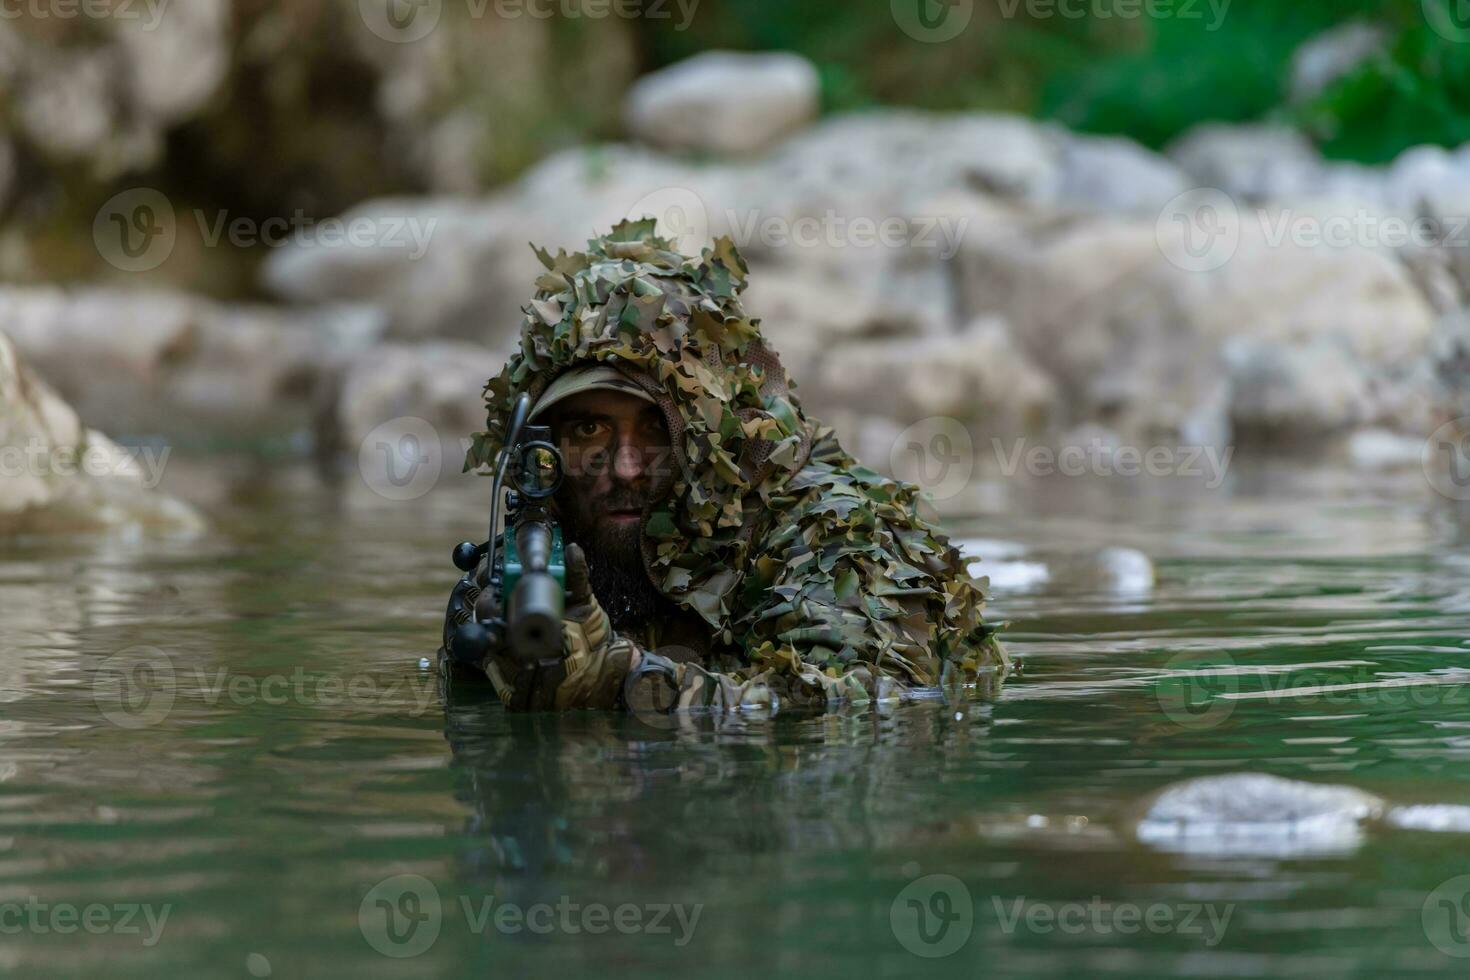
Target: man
x,y
724,551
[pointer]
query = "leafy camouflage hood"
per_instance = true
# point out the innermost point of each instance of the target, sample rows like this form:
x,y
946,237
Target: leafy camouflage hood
x,y
744,464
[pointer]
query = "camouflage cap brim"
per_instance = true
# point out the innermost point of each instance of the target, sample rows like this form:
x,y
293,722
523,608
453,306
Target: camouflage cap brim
x,y
592,377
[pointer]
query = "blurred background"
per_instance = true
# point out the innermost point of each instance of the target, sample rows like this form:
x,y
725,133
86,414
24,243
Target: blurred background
x,y
274,227
1164,302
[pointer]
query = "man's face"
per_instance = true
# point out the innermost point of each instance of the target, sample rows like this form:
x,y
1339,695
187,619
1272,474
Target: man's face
x,y
612,444
614,447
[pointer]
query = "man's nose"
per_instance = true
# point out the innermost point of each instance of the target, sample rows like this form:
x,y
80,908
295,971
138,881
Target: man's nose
x,y
629,462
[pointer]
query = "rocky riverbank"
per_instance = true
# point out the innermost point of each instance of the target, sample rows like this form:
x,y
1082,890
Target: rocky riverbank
x,y
1237,290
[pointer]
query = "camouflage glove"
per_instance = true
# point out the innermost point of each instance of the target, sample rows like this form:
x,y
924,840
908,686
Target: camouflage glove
x,y
658,685
595,659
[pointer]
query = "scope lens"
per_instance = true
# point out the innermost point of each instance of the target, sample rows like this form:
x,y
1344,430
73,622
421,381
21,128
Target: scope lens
x,y
539,471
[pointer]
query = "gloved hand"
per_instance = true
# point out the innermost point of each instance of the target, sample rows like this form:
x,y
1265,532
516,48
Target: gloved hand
x,y
595,659
657,685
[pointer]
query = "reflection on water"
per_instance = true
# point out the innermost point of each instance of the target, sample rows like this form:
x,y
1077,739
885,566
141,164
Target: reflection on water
x,y
232,743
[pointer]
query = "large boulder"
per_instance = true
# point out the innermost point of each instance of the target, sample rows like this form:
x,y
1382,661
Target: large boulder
x,y
57,475
978,377
724,102
1252,162
439,383
105,96
1065,240
181,366
1141,343
1113,175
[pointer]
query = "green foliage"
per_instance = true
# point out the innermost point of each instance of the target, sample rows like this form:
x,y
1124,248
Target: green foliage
x,y
1417,92
1113,71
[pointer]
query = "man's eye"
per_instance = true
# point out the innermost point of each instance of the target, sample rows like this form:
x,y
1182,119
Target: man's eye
x,y
587,430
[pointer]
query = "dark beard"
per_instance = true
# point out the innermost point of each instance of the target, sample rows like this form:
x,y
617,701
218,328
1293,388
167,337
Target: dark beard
x,y
617,575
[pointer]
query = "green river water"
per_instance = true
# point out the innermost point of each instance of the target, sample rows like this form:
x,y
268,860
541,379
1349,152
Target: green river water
x,y
224,758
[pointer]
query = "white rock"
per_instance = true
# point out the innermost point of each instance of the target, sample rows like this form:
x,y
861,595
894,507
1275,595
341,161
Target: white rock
x,y
1380,449
67,109
62,477
1128,570
1252,814
1332,54
1117,174
1449,363
175,364
1435,817
1428,180
892,156
724,102
1254,161
439,382
1156,348
175,64
1279,391
977,374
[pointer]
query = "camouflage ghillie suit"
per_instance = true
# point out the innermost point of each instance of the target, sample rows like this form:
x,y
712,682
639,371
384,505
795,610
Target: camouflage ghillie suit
x,y
814,577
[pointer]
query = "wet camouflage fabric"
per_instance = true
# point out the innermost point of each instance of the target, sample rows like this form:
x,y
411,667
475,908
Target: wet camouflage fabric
x,y
817,576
